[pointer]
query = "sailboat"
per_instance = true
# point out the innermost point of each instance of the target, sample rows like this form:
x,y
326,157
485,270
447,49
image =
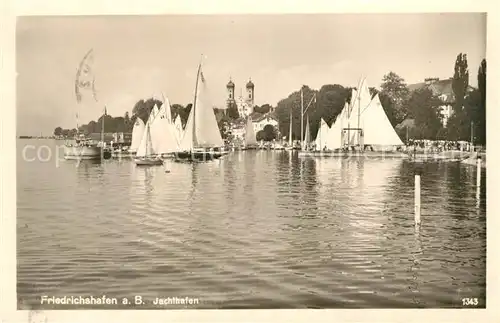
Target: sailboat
x,y
307,138
250,138
163,137
146,155
137,134
178,128
322,136
290,132
333,139
363,123
201,136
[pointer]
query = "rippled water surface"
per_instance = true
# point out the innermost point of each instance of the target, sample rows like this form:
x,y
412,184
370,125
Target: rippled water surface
x,y
257,229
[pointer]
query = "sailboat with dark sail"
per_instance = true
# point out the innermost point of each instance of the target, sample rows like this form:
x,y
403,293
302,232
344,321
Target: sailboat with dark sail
x,y
201,140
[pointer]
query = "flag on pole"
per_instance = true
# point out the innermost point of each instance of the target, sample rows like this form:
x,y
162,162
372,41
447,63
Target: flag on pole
x,y
202,77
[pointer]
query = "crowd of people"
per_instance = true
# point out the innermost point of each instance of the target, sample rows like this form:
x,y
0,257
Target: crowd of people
x,y
438,145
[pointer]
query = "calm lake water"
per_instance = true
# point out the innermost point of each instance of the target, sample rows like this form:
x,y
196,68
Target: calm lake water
x,y
257,229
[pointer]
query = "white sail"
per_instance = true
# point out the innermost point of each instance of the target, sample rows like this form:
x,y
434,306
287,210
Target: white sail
x,y
322,136
178,128
145,146
154,112
187,141
250,137
163,136
377,128
168,110
334,140
201,128
307,136
137,134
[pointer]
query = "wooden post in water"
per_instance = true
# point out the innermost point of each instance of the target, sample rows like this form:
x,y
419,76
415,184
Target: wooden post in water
x,y
417,199
478,179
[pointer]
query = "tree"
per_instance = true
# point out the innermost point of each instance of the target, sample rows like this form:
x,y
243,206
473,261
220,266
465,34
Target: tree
x,y
424,107
373,91
142,108
260,135
127,123
481,113
232,111
263,109
396,94
58,131
459,124
460,82
390,110
330,102
268,133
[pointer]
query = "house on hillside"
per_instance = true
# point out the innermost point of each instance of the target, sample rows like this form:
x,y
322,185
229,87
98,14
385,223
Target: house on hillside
x,y
442,89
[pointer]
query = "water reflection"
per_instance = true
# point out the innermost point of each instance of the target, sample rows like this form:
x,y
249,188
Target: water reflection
x,y
256,229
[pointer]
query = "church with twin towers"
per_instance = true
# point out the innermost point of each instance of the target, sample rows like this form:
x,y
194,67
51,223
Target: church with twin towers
x,y
245,103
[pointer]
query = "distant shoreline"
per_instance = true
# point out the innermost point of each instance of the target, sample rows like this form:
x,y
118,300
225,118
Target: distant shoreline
x,y
37,137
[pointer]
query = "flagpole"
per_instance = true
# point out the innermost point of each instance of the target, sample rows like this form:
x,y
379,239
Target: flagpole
x,y
301,119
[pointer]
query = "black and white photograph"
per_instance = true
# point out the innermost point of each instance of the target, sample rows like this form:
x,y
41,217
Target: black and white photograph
x,y
251,161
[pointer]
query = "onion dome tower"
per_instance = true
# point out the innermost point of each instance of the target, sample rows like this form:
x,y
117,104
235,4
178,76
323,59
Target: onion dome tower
x,y
250,93
230,93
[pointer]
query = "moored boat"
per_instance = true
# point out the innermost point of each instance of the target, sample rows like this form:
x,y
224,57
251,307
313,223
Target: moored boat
x,y
83,148
201,138
362,129
146,156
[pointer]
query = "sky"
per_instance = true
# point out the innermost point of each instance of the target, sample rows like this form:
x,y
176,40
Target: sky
x,y
137,57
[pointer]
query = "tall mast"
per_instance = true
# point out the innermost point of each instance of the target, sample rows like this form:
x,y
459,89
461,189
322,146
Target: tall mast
x,y
194,105
291,128
349,109
472,135
359,131
307,135
301,119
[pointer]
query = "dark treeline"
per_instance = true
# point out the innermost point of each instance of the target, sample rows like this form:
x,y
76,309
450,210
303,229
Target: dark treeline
x,y
420,106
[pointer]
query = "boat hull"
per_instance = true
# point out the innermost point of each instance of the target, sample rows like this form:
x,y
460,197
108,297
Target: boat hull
x,y
344,154
123,154
82,152
148,161
197,156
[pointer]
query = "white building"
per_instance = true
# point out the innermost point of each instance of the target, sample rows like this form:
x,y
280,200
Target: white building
x,y
259,122
263,120
244,109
